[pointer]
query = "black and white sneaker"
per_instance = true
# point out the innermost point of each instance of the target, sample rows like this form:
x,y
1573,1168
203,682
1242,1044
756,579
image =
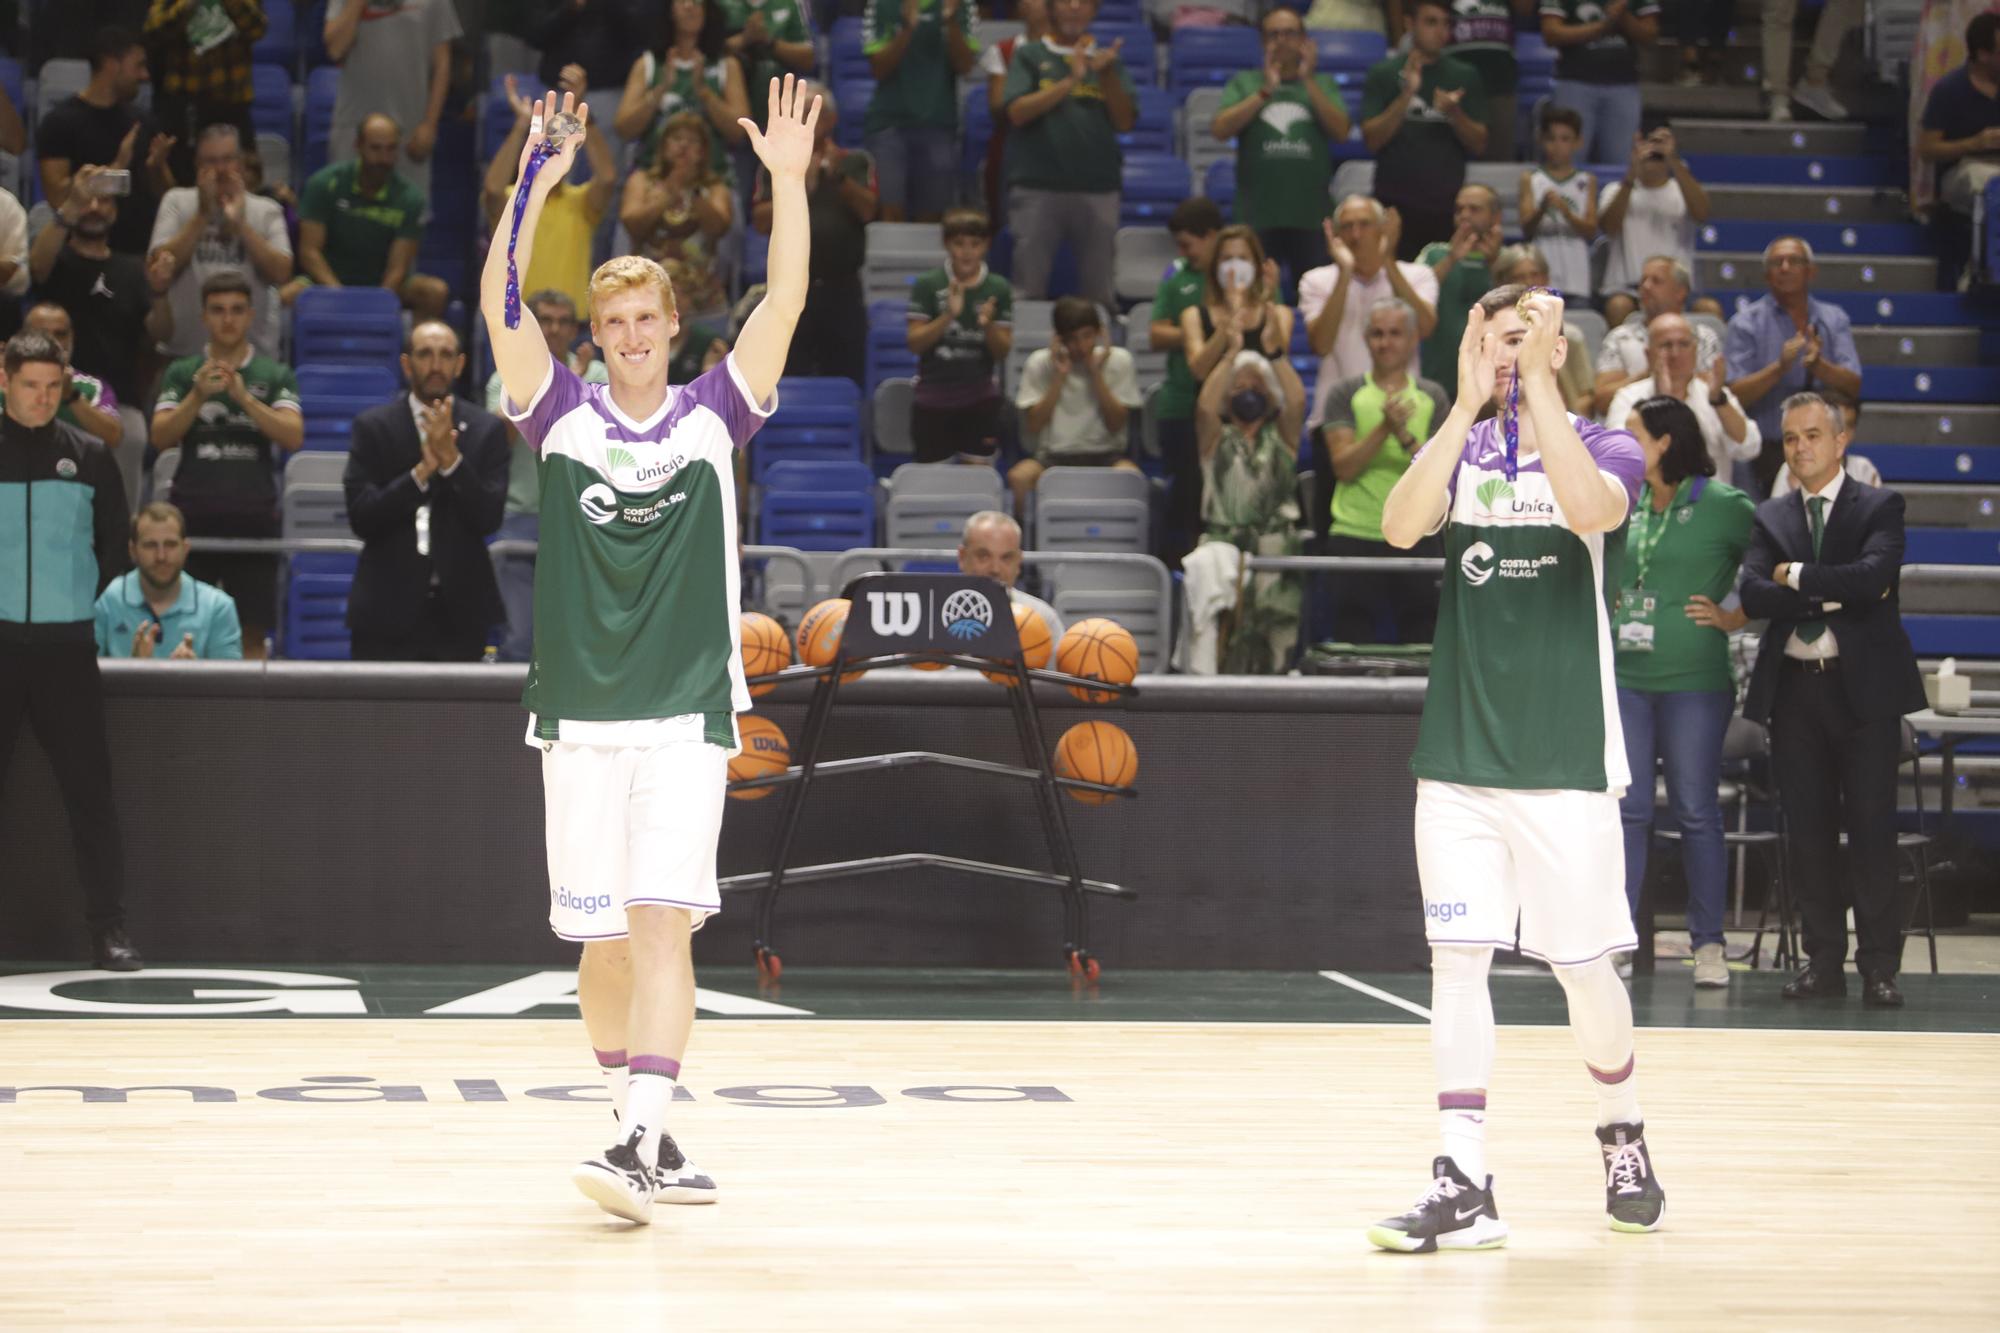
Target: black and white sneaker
x,y
1455,1215
676,1179
1632,1193
618,1182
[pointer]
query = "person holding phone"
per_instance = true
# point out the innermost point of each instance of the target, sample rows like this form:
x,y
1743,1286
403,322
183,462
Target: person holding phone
x,y
116,303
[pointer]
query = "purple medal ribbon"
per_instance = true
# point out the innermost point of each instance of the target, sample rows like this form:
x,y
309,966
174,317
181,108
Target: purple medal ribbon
x,y
1510,421
560,127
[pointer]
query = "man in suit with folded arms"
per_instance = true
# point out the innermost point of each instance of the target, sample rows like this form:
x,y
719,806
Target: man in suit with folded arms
x,y
426,485
1834,676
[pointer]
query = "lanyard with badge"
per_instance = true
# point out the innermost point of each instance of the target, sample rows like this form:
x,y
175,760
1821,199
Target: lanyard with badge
x,y
1637,604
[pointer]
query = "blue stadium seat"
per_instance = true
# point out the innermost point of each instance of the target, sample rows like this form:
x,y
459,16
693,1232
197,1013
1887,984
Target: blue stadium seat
x,y
1140,53
1153,131
347,326
1202,57
280,43
889,354
271,100
814,522
15,82
818,420
1534,55
1951,546
822,477
1220,185
846,60
496,119
322,87
976,120
331,396
1153,185
450,243
1929,462
756,256
1347,55
1954,636
1121,12
315,625
854,95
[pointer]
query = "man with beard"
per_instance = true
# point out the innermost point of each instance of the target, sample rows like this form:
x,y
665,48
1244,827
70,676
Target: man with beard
x,y
156,609
224,408
102,126
426,485
360,224
113,299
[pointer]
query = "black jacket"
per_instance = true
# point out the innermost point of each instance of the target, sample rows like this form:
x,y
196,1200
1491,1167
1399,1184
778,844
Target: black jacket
x,y
64,527
393,581
1860,562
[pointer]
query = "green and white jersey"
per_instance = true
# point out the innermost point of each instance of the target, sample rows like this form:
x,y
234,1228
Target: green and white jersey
x,y
636,582
1522,687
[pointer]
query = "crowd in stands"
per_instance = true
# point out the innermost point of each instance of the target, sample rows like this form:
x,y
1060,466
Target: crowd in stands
x,y
1301,319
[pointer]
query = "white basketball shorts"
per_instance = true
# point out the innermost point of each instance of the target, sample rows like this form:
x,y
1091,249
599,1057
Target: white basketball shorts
x,y
1551,861
630,825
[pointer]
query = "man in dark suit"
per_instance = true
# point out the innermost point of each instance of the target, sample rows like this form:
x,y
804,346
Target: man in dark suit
x,y
1834,676
426,484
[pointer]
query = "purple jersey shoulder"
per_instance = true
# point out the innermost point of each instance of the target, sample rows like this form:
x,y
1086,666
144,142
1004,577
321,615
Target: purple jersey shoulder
x,y
721,391
562,396
1617,455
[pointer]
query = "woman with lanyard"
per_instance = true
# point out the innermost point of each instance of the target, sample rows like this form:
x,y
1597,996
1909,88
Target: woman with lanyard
x,y
1675,690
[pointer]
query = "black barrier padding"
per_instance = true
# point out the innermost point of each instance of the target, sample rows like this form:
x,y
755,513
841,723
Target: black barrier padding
x,y
268,820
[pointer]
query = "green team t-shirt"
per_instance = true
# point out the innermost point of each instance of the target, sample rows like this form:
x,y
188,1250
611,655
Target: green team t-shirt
x,y
921,92
1358,405
224,455
1458,291
959,369
636,581
1284,159
1522,693
360,228
784,23
1482,35
678,86
1072,147
1695,546
1181,288
1424,163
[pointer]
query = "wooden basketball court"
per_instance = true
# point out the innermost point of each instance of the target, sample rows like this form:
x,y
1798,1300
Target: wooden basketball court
x,y
976,1174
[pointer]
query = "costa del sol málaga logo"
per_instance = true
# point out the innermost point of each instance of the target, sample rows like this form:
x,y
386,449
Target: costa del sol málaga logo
x,y
598,503
966,614
1477,562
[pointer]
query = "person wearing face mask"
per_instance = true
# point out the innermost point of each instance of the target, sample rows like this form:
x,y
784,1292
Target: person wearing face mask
x,y
1241,296
1247,424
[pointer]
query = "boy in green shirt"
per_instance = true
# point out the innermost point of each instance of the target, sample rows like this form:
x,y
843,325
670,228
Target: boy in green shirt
x,y
962,328
1194,226
224,409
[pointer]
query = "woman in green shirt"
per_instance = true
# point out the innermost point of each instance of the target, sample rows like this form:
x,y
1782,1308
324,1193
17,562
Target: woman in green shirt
x,y
1681,555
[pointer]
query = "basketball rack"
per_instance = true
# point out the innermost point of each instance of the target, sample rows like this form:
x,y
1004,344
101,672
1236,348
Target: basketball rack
x,y
899,619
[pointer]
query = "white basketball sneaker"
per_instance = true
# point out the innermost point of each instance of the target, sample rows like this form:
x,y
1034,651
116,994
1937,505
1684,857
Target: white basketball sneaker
x,y
617,1181
676,1179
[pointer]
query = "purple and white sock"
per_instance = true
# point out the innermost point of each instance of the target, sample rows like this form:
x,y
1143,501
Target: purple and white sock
x,y
1462,1118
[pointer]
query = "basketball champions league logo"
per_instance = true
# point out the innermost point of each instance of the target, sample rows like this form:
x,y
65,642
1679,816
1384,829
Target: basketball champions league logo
x,y
966,614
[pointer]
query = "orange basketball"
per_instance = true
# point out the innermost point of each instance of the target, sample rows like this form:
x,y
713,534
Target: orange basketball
x,y
1098,649
1097,752
765,751
1034,632
766,649
819,634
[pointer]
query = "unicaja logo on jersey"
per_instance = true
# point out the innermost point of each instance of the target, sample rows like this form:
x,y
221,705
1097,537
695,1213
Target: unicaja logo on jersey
x,y
966,614
1497,497
1477,562
617,459
895,615
598,503
1493,491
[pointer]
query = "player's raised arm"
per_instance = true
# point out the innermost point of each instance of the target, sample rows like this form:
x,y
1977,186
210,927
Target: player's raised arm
x,y
1416,506
1591,501
785,147
521,353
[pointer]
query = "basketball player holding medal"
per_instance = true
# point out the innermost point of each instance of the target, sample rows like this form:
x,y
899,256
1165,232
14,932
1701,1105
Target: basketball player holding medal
x,y
1520,756
637,676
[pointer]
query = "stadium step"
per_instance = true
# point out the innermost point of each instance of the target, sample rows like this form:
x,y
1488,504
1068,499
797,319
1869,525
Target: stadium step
x,y
1826,238
1798,169
1917,346
1782,203
1959,385
1972,428
1826,138
1743,101
1870,308
1846,272
1933,505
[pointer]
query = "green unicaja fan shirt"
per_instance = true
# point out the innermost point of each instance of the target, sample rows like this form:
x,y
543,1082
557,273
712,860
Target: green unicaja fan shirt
x,y
1695,547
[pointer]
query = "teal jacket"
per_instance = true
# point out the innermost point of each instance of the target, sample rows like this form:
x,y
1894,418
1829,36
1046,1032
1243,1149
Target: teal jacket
x,y
63,531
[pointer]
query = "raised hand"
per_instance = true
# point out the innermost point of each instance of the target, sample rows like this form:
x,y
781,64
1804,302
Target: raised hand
x,y
954,300
1445,100
1102,60
1413,75
1476,373
184,650
1392,234
987,309
1059,358
545,109
123,160
144,638
1793,345
1542,312
785,144
1342,255
523,108
1269,273
1079,58
157,150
